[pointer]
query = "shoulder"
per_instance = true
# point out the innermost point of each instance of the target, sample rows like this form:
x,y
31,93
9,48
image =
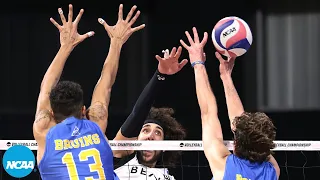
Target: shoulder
x,y
232,157
118,162
233,160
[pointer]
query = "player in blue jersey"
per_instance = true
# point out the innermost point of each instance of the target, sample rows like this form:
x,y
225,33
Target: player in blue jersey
x,y
254,133
69,145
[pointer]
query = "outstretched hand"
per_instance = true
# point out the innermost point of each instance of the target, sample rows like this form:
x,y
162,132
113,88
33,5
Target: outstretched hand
x,y
69,30
195,49
226,66
169,64
122,30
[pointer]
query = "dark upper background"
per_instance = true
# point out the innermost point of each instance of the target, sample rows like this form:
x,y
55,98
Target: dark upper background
x,y
29,42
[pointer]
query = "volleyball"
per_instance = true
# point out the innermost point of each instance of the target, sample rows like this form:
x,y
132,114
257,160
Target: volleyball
x,y
232,37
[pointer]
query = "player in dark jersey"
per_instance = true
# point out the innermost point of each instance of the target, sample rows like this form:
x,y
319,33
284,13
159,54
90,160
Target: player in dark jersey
x,y
154,124
254,133
69,146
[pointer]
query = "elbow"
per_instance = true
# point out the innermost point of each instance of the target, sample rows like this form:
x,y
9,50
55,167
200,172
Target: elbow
x,y
109,90
208,114
204,111
208,110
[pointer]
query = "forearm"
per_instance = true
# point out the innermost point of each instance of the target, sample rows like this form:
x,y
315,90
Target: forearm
x,y
234,104
52,76
206,98
207,102
108,75
134,122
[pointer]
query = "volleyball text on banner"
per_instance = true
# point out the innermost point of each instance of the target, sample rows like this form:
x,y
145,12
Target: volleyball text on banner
x,y
174,145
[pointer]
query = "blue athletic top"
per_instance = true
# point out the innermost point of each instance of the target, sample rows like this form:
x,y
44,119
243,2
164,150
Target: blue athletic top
x,y
240,169
76,149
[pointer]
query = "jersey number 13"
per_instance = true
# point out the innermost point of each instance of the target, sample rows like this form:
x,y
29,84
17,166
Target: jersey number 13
x,y
68,160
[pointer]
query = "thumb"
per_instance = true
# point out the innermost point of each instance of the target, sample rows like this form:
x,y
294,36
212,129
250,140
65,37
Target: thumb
x,y
219,57
103,23
87,35
183,63
204,57
158,58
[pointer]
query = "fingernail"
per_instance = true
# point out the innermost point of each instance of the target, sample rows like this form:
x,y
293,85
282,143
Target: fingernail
x,y
101,21
90,33
60,11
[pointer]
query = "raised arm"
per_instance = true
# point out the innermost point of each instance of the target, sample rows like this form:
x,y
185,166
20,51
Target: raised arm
x,y
119,34
214,148
69,39
234,104
167,66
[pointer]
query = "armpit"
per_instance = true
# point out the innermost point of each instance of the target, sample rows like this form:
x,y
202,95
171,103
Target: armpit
x,y
97,112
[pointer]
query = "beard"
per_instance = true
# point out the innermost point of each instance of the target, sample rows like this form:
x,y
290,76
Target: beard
x,y
148,158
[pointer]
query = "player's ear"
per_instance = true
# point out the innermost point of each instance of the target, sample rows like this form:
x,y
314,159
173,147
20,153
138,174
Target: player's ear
x,y
83,111
52,114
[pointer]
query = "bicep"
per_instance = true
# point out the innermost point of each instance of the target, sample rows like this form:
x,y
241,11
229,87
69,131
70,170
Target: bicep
x,y
98,113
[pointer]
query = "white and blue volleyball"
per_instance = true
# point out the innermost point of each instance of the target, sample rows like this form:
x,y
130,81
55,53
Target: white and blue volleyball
x,y
232,37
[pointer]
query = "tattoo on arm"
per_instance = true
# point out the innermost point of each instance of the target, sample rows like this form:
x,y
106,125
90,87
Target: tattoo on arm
x,y
43,121
43,115
98,112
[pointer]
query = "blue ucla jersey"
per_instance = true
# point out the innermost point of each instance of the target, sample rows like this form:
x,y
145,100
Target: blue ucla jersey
x,y
240,169
76,149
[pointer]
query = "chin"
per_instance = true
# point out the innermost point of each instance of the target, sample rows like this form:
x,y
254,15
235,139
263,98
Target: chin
x,y
147,159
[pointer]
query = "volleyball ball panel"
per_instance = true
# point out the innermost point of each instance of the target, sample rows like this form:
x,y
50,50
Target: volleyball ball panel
x,y
232,37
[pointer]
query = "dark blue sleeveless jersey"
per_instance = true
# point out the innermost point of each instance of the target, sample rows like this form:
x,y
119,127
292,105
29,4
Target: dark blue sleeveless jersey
x,y
76,149
240,169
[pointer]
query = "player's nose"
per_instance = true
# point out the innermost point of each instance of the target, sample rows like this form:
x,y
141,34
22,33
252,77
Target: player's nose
x,y
150,137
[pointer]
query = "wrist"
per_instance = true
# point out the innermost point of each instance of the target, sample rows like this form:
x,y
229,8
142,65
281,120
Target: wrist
x,y
197,62
225,77
67,48
160,76
198,66
116,43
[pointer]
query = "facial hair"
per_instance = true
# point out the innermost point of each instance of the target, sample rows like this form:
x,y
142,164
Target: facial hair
x,y
153,160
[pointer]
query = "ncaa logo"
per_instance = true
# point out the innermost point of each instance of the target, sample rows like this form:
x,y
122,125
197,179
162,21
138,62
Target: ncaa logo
x,y
18,161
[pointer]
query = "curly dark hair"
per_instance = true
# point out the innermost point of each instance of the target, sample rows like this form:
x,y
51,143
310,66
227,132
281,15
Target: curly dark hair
x,y
173,131
66,99
253,137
